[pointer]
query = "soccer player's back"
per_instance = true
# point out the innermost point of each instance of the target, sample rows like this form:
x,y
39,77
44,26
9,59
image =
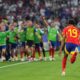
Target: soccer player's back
x,y
71,41
71,34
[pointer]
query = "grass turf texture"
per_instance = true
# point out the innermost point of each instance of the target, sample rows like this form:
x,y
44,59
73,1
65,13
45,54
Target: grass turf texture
x,y
41,70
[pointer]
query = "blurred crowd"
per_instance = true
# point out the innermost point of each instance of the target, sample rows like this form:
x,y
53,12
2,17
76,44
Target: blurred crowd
x,y
35,9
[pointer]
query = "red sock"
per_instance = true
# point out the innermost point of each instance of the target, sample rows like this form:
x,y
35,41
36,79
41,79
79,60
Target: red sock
x,y
52,52
22,54
12,55
64,63
73,58
33,54
16,54
26,53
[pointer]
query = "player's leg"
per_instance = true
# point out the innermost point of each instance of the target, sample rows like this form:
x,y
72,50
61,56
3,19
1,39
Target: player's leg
x,y
12,55
54,47
27,52
32,53
43,51
74,51
50,50
22,51
3,53
53,51
40,52
32,48
8,52
64,62
73,57
16,51
28,49
39,49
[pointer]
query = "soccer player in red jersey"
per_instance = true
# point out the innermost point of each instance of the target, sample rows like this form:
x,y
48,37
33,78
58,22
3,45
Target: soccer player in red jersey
x,y
70,40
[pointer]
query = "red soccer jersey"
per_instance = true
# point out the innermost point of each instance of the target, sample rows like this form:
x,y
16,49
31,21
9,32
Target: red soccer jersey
x,y
79,36
71,34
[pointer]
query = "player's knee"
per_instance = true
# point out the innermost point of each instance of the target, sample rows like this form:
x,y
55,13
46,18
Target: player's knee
x,y
72,61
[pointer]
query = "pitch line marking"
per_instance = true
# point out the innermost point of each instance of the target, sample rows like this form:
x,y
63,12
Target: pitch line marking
x,y
13,65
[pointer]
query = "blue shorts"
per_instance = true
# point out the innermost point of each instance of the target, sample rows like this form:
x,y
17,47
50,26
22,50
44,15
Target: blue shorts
x,y
37,45
13,45
69,47
2,47
53,43
23,44
30,43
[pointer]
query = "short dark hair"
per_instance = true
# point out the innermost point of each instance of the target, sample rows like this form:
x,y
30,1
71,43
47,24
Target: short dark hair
x,y
71,21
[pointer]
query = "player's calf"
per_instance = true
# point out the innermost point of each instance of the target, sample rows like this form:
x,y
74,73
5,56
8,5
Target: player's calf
x,y
73,58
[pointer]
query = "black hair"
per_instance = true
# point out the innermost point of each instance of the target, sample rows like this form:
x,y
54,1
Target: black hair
x,y
72,21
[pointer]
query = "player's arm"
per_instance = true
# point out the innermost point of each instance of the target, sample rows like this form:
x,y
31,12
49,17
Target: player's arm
x,y
59,35
44,20
62,44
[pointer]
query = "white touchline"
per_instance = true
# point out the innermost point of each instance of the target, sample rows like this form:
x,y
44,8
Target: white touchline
x,y
13,65
16,64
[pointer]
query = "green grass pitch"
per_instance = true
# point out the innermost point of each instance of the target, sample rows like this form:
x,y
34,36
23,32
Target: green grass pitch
x,y
40,70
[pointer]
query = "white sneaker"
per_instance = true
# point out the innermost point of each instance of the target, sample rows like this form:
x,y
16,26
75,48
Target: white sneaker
x,y
16,58
53,59
63,73
22,59
40,58
44,59
12,59
35,59
3,58
50,59
28,58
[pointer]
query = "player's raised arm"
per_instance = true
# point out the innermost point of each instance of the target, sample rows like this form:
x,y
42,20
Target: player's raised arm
x,y
44,20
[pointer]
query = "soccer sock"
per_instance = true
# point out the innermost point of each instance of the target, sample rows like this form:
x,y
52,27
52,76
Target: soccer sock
x,y
73,58
43,52
52,52
26,53
22,54
16,54
33,53
64,63
12,55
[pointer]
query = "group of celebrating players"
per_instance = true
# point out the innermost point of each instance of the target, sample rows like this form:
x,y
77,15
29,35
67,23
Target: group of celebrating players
x,y
29,36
